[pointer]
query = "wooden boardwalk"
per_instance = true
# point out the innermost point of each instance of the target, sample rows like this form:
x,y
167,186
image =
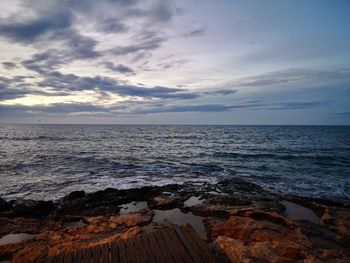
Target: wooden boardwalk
x,y
176,244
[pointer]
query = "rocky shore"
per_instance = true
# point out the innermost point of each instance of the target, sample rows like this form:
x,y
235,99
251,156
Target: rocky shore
x,y
241,221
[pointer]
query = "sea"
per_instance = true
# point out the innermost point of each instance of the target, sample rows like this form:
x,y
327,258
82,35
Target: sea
x,y
46,162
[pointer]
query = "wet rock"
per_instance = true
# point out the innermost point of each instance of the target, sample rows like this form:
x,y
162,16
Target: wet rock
x,y
161,203
30,208
265,235
54,238
232,201
206,211
337,220
4,206
75,195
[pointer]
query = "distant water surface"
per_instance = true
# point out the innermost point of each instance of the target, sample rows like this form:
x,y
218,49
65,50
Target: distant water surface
x,y
49,161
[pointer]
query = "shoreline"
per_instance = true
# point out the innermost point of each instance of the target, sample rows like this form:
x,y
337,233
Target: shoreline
x,y
239,219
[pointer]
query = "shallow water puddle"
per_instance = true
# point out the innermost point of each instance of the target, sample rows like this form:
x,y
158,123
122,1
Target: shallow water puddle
x,y
193,200
298,212
177,217
132,207
74,224
15,238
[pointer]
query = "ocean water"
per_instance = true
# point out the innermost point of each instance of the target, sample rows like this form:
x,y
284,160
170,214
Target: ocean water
x,y
49,161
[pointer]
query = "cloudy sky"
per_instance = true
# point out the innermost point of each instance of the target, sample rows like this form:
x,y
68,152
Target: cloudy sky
x,y
175,62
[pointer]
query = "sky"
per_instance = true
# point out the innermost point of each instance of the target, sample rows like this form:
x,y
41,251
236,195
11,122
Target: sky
x,y
175,62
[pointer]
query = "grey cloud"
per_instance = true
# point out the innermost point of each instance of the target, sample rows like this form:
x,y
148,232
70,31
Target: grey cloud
x,y
146,45
196,33
29,31
293,76
112,25
9,65
299,105
71,82
220,92
119,68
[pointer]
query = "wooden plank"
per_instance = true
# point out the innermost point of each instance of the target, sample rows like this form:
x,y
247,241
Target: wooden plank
x,y
164,250
200,242
78,256
49,259
68,258
87,255
140,250
96,254
190,249
180,247
105,253
59,258
114,252
40,259
156,250
130,251
151,250
195,245
171,248
122,251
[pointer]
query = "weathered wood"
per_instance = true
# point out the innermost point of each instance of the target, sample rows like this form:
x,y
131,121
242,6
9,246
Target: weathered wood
x,y
59,258
179,246
122,251
201,243
130,251
78,256
114,252
170,245
149,248
96,254
105,253
176,256
162,252
68,258
190,249
195,245
87,255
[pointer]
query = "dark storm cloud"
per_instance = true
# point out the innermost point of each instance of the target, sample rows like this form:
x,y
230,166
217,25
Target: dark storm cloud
x,y
29,31
72,82
119,68
9,65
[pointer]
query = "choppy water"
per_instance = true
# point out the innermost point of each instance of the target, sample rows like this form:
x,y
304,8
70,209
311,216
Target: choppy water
x,y
49,161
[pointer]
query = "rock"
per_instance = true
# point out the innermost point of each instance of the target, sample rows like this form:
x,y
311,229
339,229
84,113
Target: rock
x,y
74,195
337,220
265,235
206,211
232,201
4,206
161,203
30,208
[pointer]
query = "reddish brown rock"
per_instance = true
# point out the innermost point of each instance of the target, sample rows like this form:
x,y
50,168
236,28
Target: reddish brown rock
x,y
337,220
161,203
263,235
54,238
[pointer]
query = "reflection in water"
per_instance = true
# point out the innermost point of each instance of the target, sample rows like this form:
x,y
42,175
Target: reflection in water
x,y
15,238
132,207
177,217
74,224
193,200
298,212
